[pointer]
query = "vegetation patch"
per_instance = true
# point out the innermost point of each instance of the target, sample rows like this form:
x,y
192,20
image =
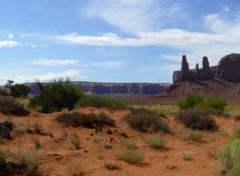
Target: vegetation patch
x,y
199,119
145,120
16,163
189,134
156,142
131,156
91,120
102,102
197,101
56,96
229,156
5,128
10,105
75,169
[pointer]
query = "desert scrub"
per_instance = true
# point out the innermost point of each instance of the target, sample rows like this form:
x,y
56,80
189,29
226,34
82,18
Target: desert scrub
x,y
14,162
229,155
146,121
131,156
19,129
156,142
38,128
37,143
10,105
187,157
198,101
97,139
199,119
236,132
75,169
111,166
130,144
101,102
189,134
56,96
75,141
91,120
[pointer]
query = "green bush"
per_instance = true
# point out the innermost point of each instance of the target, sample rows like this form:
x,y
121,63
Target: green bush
x,y
19,90
156,142
146,120
131,156
91,120
189,134
10,105
199,119
194,100
229,154
236,132
58,94
101,102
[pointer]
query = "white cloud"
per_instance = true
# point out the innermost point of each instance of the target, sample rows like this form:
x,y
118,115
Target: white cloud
x,y
109,64
27,35
166,37
134,16
54,62
10,36
9,43
74,75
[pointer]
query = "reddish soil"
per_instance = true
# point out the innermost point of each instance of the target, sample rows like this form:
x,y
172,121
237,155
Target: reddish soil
x,y
57,153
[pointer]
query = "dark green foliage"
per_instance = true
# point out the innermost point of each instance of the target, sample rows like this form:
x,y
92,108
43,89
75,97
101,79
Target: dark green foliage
x,y
10,105
5,128
199,119
19,90
102,101
91,120
58,94
146,120
194,100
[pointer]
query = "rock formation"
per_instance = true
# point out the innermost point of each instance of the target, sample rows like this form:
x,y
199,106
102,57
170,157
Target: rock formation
x,y
185,73
229,68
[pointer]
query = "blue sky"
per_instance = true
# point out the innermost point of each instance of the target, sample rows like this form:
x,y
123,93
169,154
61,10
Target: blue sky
x,y
112,40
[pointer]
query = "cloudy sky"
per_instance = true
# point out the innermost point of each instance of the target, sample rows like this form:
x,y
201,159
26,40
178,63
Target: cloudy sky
x,y
113,40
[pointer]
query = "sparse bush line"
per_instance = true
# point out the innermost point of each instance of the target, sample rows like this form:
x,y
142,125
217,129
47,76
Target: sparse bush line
x,y
91,120
145,120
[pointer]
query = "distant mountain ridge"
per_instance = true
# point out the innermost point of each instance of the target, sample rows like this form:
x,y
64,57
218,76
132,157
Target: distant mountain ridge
x,y
100,88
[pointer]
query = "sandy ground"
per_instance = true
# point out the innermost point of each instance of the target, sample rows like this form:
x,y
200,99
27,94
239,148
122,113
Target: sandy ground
x,y
56,153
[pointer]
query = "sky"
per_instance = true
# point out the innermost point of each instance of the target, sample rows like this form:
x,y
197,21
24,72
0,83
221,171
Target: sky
x,y
113,40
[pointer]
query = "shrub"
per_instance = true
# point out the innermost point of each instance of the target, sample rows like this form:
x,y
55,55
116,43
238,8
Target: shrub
x,y
76,119
5,128
101,102
112,166
75,169
10,105
187,157
194,100
131,156
58,94
19,162
229,155
19,90
189,134
190,101
156,142
76,143
237,132
214,103
146,120
197,119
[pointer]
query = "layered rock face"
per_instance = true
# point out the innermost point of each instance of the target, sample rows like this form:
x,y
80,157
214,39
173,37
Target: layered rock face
x,y
229,68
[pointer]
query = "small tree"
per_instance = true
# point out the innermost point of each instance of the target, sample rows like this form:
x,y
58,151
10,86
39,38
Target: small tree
x,y
57,95
19,90
190,101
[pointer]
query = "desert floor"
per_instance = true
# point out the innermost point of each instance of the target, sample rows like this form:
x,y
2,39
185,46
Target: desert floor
x,y
57,153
